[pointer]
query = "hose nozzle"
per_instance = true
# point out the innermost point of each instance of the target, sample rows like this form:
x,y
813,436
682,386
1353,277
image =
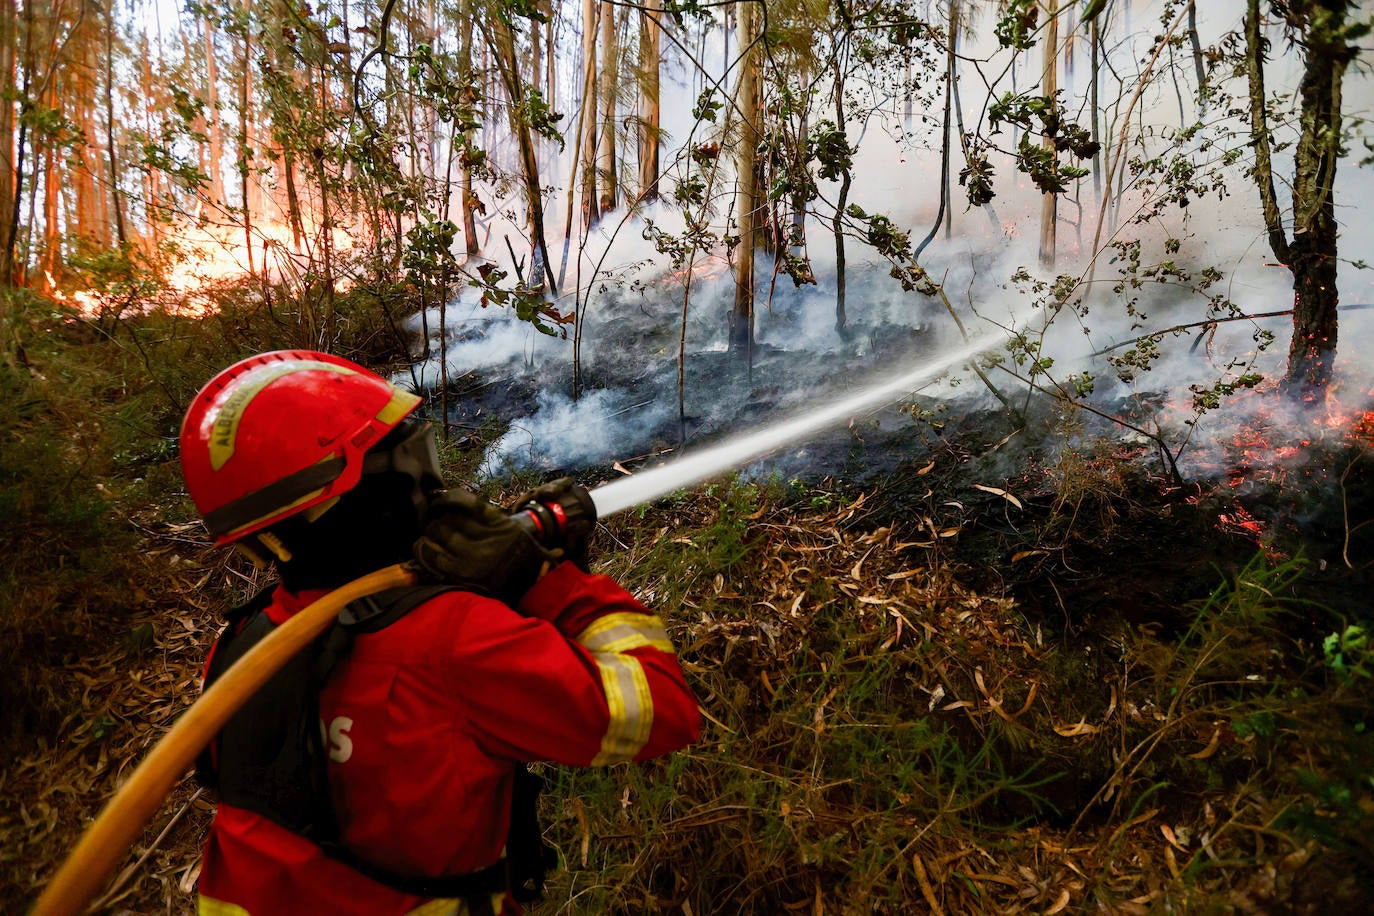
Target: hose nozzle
x,y
557,515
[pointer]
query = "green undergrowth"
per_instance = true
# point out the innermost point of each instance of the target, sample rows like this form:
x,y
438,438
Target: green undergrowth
x,y
89,415
877,737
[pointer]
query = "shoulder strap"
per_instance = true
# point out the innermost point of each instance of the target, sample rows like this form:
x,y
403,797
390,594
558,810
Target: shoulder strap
x,y
223,653
371,613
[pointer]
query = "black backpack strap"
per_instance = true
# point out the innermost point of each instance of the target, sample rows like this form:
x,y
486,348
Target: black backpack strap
x,y
378,611
530,857
222,654
473,886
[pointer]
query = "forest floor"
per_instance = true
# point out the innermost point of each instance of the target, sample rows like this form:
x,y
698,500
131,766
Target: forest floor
x,y
1073,685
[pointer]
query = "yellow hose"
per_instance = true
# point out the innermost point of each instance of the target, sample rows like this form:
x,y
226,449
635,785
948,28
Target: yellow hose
x,y
89,865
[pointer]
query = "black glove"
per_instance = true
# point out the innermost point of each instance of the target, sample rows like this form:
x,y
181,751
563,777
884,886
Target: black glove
x,y
470,542
579,516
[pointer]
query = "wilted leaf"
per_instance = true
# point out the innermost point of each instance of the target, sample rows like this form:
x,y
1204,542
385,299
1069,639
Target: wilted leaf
x,y
1211,747
905,575
998,491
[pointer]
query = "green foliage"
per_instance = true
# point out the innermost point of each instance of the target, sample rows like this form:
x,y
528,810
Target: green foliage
x,y
541,118
830,149
1041,164
977,175
1017,24
1349,654
527,303
707,105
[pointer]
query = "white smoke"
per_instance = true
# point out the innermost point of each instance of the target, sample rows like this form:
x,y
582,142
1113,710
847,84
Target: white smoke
x,y
563,433
635,307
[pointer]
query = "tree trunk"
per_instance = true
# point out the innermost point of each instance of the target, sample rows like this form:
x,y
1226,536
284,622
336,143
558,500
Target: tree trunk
x,y
51,264
946,125
591,200
1095,44
606,159
116,201
9,189
1312,252
1049,85
1196,43
509,67
1312,249
649,130
213,122
748,198
837,224
245,143
466,197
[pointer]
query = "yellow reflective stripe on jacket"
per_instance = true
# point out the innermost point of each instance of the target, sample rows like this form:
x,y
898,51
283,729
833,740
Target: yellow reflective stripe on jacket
x,y
623,632
628,699
209,906
454,907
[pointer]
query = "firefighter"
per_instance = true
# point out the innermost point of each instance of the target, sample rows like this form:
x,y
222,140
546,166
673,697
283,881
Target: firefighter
x,y
404,791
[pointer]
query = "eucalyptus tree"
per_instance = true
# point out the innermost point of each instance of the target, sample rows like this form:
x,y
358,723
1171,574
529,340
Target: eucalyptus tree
x,y
1326,34
9,94
607,154
528,114
589,120
650,114
748,197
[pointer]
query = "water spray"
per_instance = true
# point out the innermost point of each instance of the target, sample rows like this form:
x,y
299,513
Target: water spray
x,y
643,487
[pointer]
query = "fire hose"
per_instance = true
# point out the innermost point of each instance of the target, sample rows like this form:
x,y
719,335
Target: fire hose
x,y
112,833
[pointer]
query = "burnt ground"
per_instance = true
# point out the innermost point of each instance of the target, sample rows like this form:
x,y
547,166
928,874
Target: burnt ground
x,y
1078,518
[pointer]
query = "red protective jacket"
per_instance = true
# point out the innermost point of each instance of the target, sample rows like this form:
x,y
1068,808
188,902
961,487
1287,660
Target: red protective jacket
x,y
425,720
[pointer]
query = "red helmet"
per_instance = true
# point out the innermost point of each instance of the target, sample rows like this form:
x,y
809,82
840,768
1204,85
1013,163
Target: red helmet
x,y
278,433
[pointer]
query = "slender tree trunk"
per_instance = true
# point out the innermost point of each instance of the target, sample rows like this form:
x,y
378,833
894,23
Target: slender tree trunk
x,y
591,200
1311,254
1096,51
152,178
51,264
1198,70
946,125
245,139
606,164
466,197
742,316
214,123
9,187
79,93
508,66
1049,84
649,115
116,201
837,224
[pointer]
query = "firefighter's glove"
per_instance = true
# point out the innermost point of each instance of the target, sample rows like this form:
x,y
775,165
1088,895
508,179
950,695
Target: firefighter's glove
x,y
472,543
579,516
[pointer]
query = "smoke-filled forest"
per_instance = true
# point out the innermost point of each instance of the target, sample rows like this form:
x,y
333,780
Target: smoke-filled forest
x,y
976,391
